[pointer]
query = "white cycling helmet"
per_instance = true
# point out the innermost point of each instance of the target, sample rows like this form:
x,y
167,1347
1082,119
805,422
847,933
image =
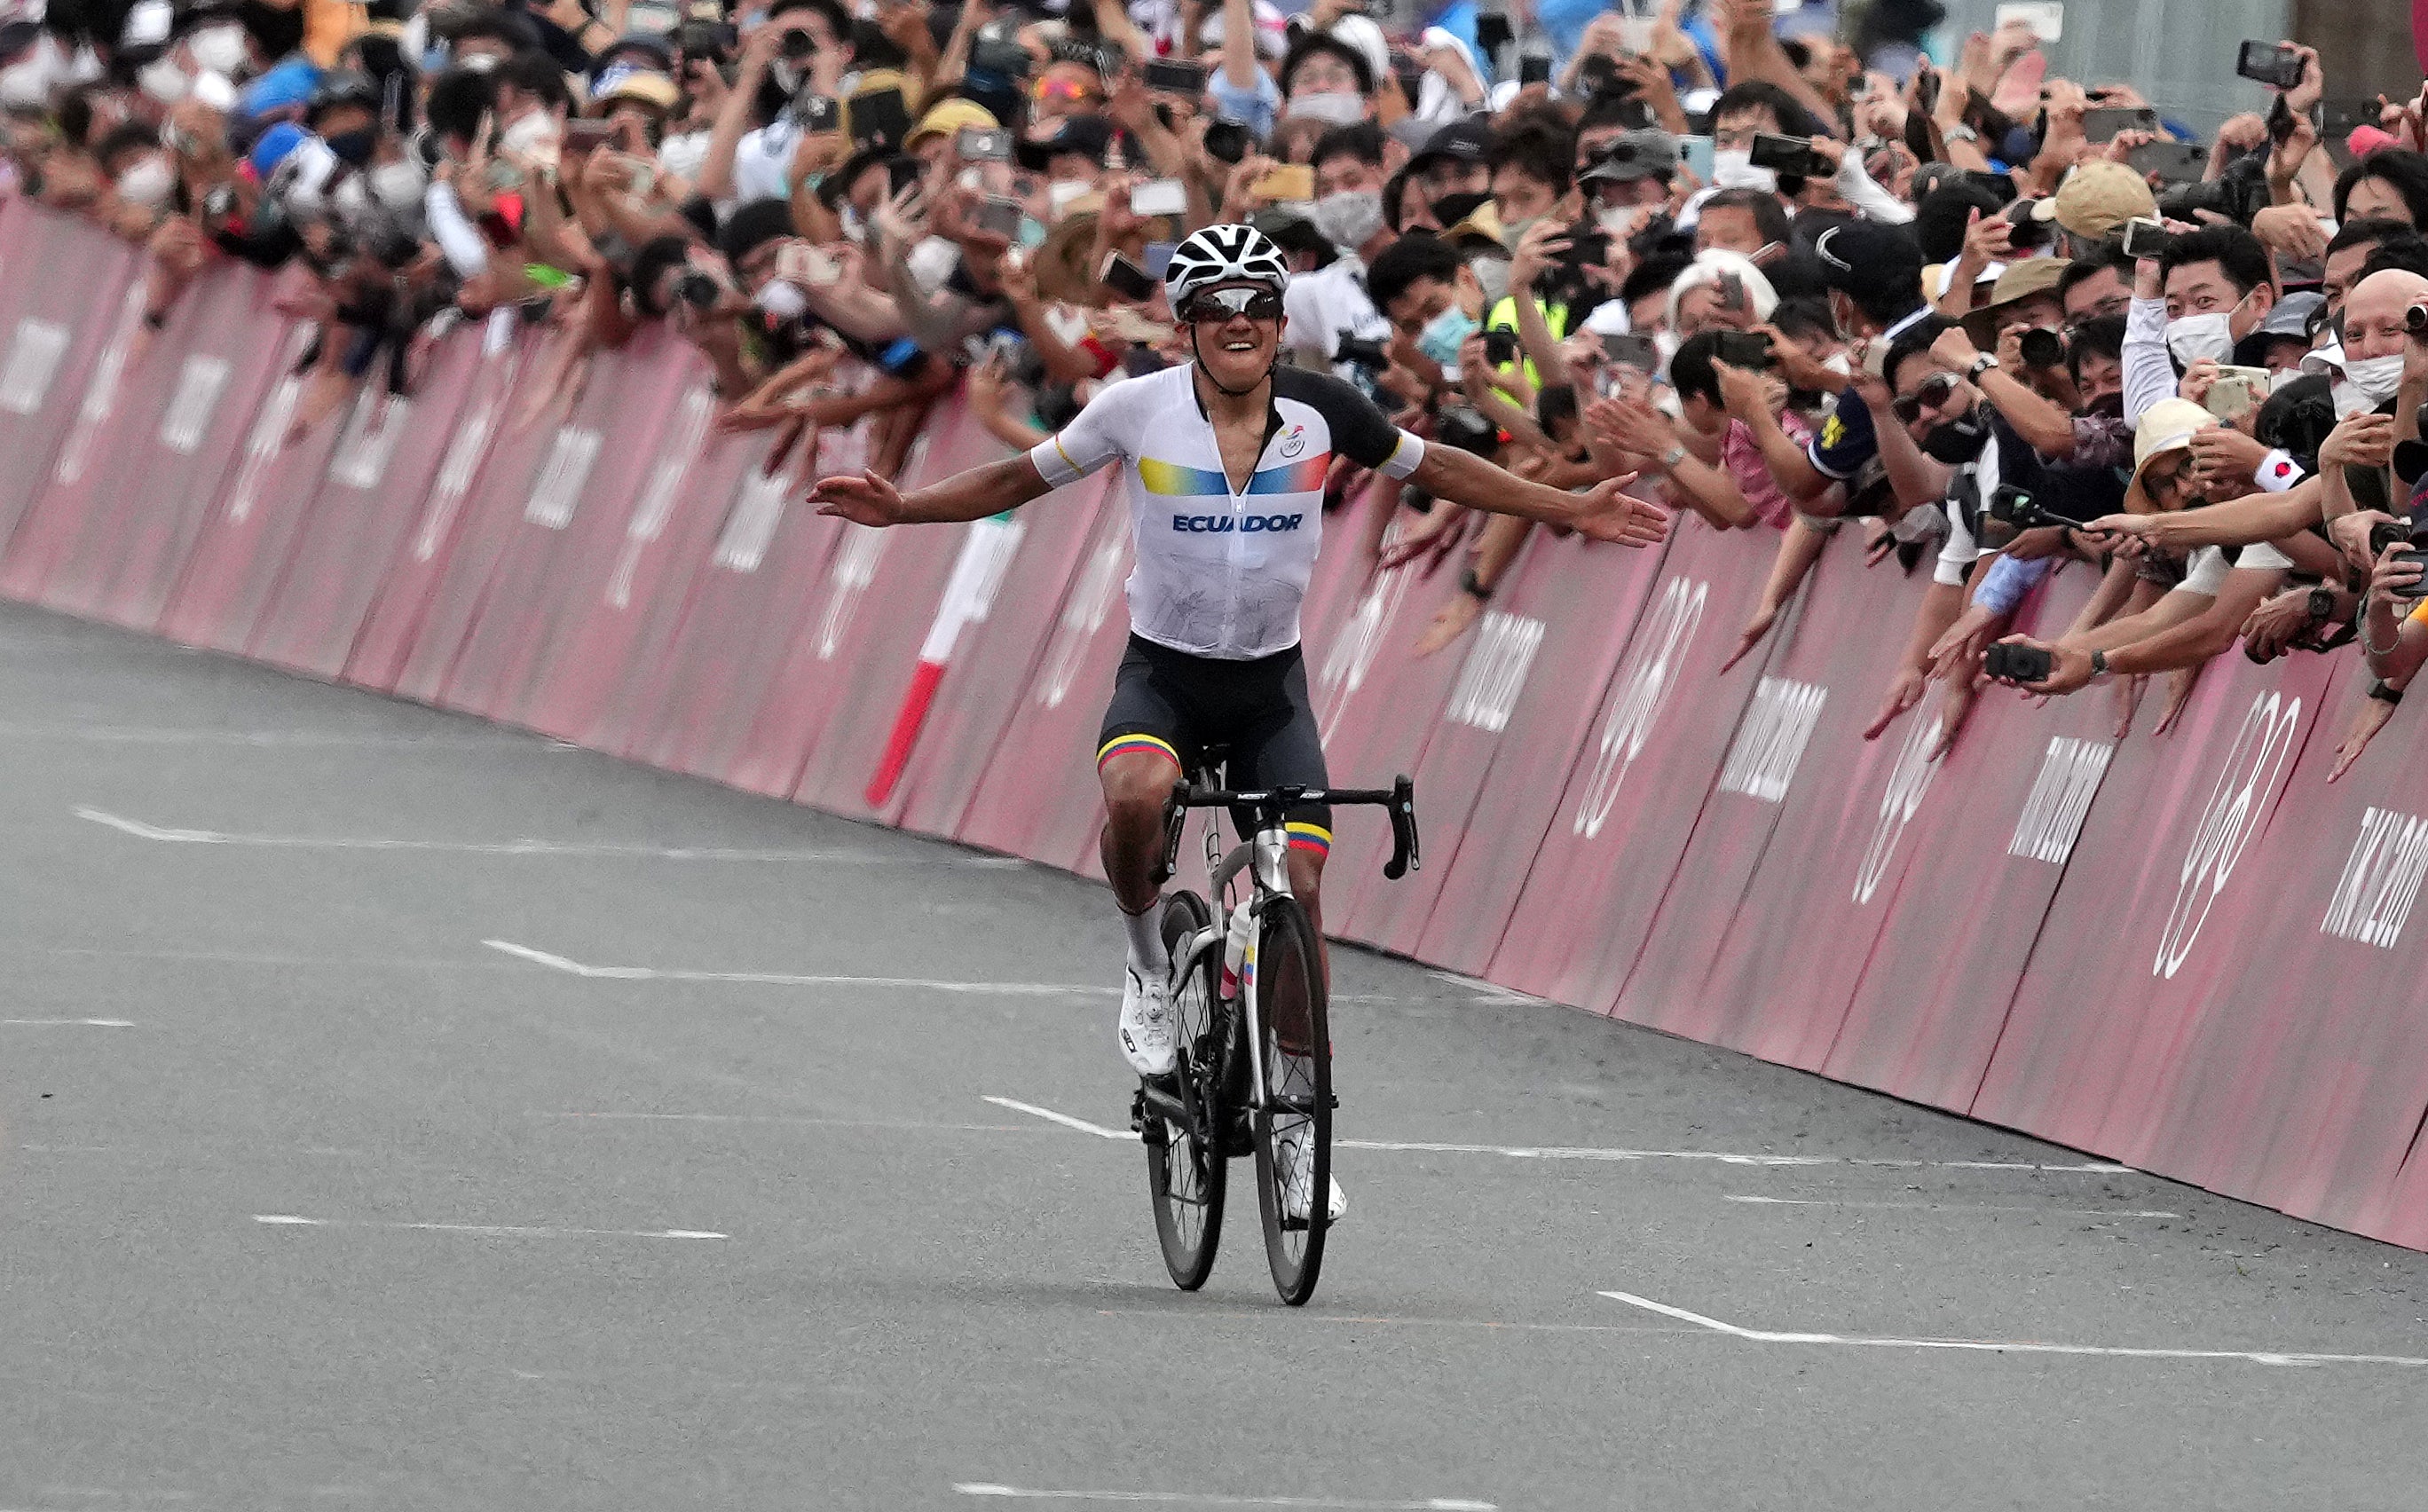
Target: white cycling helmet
x,y
1224,255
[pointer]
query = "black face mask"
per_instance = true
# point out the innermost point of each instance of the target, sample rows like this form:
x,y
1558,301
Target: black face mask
x,y
354,146
1956,442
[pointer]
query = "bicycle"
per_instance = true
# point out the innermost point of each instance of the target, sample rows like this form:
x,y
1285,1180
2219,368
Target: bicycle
x,y
1248,978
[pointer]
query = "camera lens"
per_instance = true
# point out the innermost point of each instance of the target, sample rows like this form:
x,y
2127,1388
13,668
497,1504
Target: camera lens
x,y
798,45
696,288
2414,319
2042,348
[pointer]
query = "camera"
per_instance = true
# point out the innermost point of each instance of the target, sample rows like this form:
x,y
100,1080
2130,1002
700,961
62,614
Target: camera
x,y
1749,350
1467,430
2018,663
2239,194
1501,346
1227,141
2042,348
2386,532
2274,64
2414,319
797,45
696,290
1365,353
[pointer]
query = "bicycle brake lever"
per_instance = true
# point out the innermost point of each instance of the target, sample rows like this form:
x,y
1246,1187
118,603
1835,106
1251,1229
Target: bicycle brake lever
x,y
1404,855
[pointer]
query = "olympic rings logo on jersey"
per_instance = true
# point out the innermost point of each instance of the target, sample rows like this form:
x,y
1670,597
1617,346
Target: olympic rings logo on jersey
x,y
1225,524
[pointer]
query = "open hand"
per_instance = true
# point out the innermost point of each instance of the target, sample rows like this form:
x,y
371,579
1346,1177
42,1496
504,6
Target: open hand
x,y
866,500
1609,513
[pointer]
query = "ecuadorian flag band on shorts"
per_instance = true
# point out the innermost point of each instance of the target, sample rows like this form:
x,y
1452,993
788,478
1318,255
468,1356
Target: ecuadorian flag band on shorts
x,y
1124,745
1313,837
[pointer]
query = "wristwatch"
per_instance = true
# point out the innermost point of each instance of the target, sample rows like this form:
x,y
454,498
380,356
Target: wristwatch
x,y
1981,365
2321,603
1670,458
1960,133
2378,690
2099,663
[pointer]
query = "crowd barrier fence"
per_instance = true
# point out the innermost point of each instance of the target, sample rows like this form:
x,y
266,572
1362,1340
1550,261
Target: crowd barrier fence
x,y
2185,952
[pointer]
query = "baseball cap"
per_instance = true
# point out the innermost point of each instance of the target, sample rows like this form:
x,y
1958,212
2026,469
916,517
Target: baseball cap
x,y
1465,141
638,86
2288,320
2096,198
950,118
1864,258
1634,155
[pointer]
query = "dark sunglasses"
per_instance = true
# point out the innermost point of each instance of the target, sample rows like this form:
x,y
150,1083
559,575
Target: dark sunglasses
x,y
1213,306
1932,394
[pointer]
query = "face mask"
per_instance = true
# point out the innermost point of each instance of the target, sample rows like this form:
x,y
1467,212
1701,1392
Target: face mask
x,y
1735,170
147,183
398,186
354,146
164,81
532,133
434,59
1349,219
788,78
2195,336
26,83
1443,334
1032,232
1340,108
782,301
1664,341
2377,377
1956,442
221,49
1617,221
1492,276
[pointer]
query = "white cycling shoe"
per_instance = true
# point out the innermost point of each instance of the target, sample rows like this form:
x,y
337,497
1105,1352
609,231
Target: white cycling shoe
x,y
1148,1039
1298,1181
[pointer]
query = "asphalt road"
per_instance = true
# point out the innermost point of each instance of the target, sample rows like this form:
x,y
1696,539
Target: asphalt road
x,y
735,1223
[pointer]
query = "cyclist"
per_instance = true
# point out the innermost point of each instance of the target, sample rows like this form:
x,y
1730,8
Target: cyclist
x,y
1226,463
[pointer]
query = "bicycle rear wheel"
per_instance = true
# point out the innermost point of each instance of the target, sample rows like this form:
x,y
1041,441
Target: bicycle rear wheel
x,y
1184,1169
1293,1130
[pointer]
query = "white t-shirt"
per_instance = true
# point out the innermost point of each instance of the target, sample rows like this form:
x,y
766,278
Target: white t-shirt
x,y
1327,304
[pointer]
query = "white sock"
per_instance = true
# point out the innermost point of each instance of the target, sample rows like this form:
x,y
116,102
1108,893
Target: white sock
x,y
1147,955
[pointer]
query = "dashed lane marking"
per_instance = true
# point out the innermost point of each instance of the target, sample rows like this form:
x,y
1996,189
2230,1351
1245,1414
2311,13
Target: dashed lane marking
x,y
493,1230
1021,1493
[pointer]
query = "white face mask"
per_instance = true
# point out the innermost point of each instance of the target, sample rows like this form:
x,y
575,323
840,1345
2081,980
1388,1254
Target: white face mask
x,y
533,133
1619,221
148,183
2195,336
221,49
164,81
782,301
1349,219
26,83
399,186
1735,170
1342,107
2377,377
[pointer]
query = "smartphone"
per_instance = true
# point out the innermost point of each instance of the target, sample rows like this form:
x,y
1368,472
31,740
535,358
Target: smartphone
x,y
2174,162
2340,118
2019,664
1876,359
901,172
1290,181
880,118
1174,77
1165,196
1628,349
1697,153
1997,185
1000,217
1227,141
1501,346
1126,278
1744,348
1791,156
2236,393
2104,125
1534,67
2419,589
2144,237
2046,19
2274,64
817,112
798,262
974,144
1493,32
582,136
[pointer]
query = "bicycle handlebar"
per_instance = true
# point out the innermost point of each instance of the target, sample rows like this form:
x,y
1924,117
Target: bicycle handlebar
x,y
1399,798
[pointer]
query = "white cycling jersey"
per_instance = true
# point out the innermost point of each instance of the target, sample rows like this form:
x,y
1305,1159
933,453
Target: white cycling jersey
x,y
1222,574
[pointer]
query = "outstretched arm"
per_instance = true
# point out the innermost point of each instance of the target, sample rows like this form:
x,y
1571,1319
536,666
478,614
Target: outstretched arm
x,y
869,499
1604,512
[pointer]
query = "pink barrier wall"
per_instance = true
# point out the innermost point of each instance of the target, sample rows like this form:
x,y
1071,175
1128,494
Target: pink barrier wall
x,y
2186,952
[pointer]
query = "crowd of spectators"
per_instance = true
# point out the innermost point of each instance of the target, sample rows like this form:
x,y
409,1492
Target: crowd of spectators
x,y
1992,318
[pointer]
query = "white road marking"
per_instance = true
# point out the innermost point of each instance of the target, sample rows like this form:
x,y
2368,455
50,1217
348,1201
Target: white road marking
x,y
782,979
1531,1152
1486,992
470,847
508,1230
1064,1119
1956,1206
67,1023
802,1120
1437,1504
2009,1346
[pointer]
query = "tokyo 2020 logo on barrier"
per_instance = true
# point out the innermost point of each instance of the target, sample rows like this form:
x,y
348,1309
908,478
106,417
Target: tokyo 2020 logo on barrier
x,y
1637,694
1908,783
2238,803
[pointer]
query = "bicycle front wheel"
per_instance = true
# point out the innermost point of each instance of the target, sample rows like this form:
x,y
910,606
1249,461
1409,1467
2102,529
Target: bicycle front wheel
x,y
1294,1127
1184,1169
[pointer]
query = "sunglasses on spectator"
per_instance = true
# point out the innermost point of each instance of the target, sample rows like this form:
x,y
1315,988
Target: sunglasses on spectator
x,y
1933,393
1215,304
1061,89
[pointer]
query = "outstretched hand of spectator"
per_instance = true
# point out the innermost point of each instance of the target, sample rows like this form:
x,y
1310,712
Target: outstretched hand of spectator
x,y
1904,691
2367,721
2071,671
1607,512
1765,614
2180,683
